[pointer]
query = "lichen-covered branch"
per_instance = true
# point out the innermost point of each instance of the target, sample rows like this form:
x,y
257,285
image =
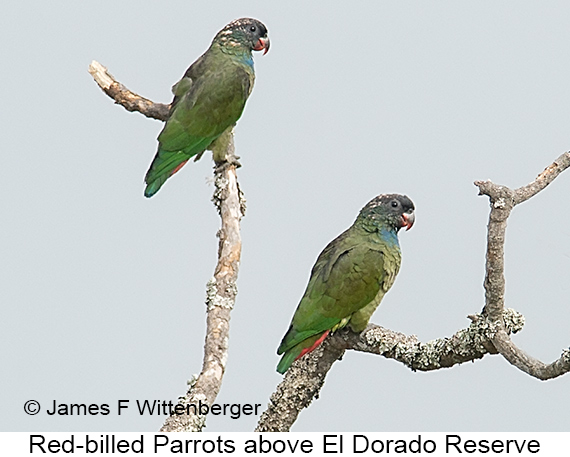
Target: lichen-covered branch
x,y
303,381
221,289
301,384
221,293
466,345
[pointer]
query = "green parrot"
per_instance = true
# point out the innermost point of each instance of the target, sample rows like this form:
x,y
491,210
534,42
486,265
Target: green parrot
x,y
208,100
350,277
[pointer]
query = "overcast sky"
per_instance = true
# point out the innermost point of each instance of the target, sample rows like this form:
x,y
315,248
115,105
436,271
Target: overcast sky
x,y
102,290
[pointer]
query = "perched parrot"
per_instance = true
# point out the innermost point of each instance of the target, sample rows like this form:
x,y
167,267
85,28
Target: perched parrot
x,y
350,277
208,100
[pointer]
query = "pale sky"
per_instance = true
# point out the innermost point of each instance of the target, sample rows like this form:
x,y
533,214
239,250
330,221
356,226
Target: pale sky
x,y
103,290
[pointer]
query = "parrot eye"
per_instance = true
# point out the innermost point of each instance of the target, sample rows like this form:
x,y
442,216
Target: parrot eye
x,y
395,203
252,28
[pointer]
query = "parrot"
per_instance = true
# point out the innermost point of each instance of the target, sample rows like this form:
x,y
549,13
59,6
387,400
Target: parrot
x,y
350,277
208,100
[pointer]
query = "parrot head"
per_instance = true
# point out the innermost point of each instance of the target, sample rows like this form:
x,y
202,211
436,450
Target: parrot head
x,y
247,32
393,211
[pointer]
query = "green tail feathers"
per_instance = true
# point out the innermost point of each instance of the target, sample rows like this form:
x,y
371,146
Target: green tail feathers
x,y
286,361
153,187
164,165
292,351
289,349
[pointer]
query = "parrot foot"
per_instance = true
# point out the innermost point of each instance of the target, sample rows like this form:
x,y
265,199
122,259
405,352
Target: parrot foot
x,y
233,160
227,161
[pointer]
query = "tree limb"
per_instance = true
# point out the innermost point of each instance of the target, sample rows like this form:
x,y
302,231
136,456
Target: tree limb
x,y
221,290
303,381
124,97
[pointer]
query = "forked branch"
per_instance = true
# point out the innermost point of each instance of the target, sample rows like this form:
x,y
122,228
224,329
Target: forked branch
x,y
502,201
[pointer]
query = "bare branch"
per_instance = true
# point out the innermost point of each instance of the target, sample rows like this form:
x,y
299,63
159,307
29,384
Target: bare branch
x,y
502,203
543,179
528,364
124,97
221,289
503,200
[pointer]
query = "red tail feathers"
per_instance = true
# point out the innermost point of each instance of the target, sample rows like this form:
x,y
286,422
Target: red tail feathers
x,y
178,167
314,346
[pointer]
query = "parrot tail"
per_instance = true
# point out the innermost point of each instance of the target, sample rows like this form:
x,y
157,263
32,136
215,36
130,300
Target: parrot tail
x,y
162,167
298,351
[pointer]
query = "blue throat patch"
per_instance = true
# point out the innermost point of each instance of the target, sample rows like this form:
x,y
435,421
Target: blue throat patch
x,y
246,58
390,237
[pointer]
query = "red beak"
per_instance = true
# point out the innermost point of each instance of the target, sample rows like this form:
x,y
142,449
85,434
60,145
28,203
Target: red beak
x,y
262,43
408,220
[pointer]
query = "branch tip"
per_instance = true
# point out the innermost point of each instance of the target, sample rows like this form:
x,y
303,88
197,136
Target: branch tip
x,y
101,75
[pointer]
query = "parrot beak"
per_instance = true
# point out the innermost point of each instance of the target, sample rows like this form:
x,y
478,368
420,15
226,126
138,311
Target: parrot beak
x,y
262,43
408,220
